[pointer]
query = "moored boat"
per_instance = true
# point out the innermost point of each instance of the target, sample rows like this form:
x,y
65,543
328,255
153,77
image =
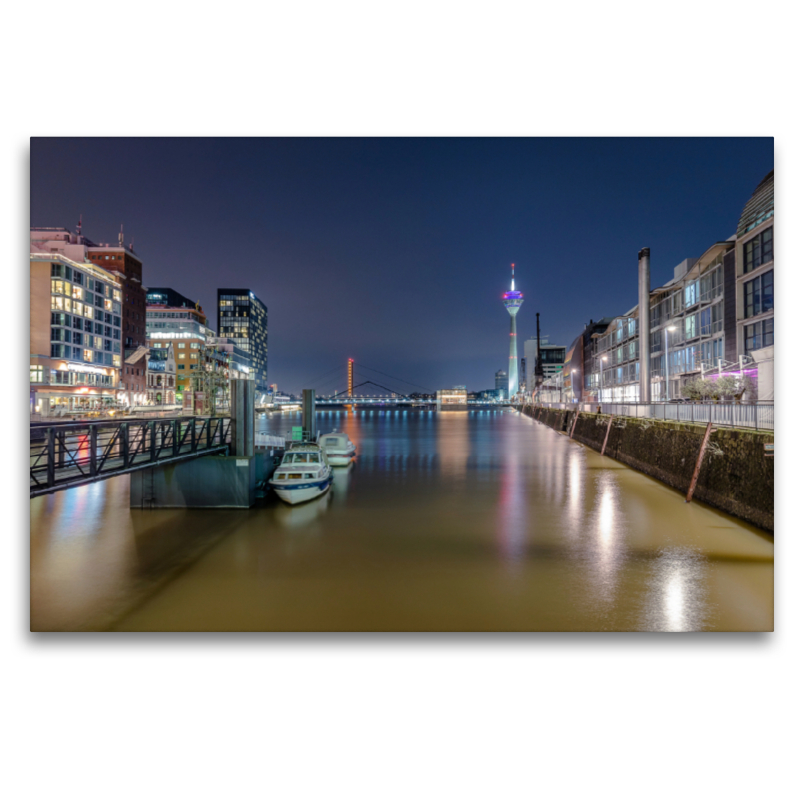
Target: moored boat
x,y
338,448
303,474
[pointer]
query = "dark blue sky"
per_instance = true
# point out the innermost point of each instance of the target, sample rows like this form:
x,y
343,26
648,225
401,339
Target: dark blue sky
x,y
396,251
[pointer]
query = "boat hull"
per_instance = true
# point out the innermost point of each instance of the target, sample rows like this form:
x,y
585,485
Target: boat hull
x,y
340,459
302,491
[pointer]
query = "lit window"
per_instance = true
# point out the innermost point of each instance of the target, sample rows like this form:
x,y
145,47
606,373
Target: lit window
x,y
37,374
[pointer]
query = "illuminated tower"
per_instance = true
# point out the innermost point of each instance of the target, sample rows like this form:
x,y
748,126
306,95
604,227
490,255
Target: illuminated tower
x,y
349,377
512,301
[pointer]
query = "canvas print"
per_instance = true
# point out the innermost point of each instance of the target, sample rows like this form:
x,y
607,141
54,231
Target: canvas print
x,y
402,384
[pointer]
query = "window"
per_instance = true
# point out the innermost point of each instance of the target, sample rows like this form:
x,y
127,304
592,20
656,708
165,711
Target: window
x,y
57,287
758,335
37,374
88,355
77,293
758,295
691,294
181,366
758,251
56,271
691,326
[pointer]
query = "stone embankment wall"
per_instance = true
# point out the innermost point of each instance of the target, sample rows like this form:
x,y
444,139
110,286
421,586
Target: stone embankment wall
x,y
736,476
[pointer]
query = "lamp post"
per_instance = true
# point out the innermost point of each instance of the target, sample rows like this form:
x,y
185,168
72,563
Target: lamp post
x,y
666,357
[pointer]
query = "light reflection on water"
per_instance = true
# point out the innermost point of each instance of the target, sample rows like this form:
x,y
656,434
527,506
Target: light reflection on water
x,y
451,521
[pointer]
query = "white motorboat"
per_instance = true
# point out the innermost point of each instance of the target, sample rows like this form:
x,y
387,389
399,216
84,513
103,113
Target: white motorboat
x,y
338,447
303,474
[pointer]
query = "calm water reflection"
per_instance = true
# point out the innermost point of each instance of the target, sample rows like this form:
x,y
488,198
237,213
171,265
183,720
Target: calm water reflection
x,y
456,521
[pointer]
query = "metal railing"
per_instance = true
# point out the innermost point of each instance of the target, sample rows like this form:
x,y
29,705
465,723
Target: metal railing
x,y
269,441
72,454
755,415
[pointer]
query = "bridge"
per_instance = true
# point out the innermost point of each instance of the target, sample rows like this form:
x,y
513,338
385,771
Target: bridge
x,y
64,455
346,374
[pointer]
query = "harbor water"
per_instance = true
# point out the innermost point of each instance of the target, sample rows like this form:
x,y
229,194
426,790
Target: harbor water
x,y
451,521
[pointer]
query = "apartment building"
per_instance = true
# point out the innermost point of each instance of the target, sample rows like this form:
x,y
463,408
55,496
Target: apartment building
x,y
75,334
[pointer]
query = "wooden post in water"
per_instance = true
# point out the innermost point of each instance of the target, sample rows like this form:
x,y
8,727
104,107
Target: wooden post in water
x,y
574,422
608,430
700,455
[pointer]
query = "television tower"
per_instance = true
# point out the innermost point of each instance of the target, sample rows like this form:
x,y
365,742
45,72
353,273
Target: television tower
x,y
512,301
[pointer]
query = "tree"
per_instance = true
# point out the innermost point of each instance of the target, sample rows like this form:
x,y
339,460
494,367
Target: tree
x,y
726,386
693,390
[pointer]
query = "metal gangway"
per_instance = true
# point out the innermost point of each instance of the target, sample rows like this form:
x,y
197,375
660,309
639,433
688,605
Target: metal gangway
x,y
64,455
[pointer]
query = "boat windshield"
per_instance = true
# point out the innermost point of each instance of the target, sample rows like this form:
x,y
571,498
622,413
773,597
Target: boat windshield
x,y
333,441
301,458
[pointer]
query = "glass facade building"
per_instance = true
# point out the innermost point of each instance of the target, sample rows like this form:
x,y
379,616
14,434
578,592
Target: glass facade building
x,y
242,318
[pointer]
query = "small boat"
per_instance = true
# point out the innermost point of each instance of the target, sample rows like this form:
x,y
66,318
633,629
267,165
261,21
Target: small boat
x,y
303,474
338,447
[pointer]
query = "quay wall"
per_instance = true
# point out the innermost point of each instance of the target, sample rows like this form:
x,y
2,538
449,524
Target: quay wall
x,y
736,475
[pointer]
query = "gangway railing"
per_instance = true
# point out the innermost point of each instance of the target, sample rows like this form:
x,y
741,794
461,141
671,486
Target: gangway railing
x,y
760,416
67,455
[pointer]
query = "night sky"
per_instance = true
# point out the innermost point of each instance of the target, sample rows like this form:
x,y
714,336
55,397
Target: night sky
x,y
396,252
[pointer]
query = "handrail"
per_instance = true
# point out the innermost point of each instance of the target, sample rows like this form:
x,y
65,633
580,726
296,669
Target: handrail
x,y
72,454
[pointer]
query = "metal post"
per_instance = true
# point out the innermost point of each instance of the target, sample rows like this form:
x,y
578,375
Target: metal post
x,y
123,430
194,435
243,418
176,435
700,455
608,430
666,363
574,423
51,456
153,440
93,450
309,413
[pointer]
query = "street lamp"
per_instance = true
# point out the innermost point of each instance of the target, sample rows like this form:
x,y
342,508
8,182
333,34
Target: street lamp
x,y
666,357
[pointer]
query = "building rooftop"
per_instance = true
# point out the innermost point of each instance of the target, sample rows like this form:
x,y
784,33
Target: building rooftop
x,y
760,207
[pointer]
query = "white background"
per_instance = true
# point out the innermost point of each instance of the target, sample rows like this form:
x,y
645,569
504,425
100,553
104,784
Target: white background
x,y
549,716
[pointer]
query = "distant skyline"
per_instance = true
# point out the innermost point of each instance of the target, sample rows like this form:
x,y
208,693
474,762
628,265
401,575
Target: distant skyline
x,y
396,252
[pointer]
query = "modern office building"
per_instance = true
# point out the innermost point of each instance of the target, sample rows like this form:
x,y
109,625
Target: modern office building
x,y
512,300
454,399
552,356
579,375
754,281
238,360
121,261
501,384
185,329
75,334
169,297
242,317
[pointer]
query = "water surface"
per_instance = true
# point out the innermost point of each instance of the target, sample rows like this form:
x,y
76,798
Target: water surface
x,y
456,521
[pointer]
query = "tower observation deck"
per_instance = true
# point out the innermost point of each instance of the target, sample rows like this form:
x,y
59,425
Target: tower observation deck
x,y
512,301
